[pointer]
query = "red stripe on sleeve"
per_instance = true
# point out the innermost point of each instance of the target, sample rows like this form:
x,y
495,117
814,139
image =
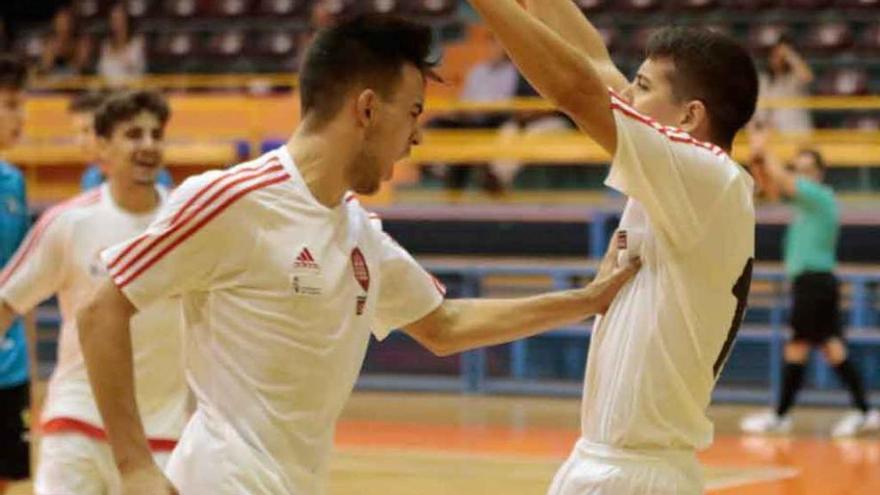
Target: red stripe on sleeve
x,y
36,233
673,133
189,203
172,228
122,282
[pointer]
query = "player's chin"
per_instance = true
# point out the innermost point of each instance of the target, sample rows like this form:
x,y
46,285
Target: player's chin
x,y
367,188
145,179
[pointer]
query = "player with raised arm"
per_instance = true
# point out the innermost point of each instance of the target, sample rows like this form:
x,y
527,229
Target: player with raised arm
x,y
60,257
283,277
656,354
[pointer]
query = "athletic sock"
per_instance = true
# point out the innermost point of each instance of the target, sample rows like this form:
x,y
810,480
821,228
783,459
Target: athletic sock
x,y
793,378
850,377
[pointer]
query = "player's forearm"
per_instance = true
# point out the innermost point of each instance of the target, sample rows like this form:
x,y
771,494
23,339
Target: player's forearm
x,y
556,69
473,323
105,338
567,20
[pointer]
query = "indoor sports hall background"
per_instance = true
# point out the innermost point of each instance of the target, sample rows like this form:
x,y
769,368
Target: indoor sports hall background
x,y
503,198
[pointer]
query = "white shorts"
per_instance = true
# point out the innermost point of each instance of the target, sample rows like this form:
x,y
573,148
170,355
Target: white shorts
x,y
72,463
594,469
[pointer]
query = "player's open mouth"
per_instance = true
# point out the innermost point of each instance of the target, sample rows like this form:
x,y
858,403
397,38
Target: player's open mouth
x,y
150,160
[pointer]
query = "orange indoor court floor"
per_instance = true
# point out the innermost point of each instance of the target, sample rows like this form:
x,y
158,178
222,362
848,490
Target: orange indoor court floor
x,y
427,444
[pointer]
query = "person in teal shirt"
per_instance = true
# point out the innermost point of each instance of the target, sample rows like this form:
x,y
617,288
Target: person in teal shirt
x,y
14,361
810,254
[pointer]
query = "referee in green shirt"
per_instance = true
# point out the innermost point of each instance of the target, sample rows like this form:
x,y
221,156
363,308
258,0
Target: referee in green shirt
x,y
810,259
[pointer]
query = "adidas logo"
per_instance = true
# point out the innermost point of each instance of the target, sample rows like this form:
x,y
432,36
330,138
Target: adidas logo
x,y
305,260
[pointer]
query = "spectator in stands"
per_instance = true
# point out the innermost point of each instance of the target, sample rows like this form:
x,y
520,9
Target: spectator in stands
x,y
810,259
787,76
82,111
66,51
527,124
16,364
123,57
320,17
495,79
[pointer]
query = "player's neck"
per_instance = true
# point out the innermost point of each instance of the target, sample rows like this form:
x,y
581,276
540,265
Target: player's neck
x,y
321,162
134,198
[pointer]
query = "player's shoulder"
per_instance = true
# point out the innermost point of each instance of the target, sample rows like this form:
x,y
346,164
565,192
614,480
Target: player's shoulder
x,y
357,211
71,211
79,205
233,183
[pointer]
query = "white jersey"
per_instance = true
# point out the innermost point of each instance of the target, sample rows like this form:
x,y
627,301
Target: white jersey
x,y
280,295
61,256
656,354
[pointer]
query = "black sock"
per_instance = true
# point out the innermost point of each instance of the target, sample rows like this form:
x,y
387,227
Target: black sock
x,y
792,378
850,377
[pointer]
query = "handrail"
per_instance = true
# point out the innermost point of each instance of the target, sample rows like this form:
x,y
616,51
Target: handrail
x,y
290,81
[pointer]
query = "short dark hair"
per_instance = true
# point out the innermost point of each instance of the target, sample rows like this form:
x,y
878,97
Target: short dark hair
x,y
13,72
713,68
87,101
817,157
124,106
371,50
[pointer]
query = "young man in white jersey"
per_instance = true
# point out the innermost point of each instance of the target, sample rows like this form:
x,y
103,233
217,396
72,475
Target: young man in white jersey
x,y
283,277
60,256
656,354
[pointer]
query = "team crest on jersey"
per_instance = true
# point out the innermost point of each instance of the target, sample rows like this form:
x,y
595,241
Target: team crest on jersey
x,y
362,276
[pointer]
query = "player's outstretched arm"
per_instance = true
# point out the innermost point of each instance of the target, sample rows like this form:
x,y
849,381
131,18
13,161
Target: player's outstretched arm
x,y
105,338
564,17
555,68
462,324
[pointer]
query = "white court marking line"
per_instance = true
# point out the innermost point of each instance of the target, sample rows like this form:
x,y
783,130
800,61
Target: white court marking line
x,y
752,476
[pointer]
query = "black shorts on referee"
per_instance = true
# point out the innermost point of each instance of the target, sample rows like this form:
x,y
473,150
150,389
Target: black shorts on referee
x,y
15,458
815,312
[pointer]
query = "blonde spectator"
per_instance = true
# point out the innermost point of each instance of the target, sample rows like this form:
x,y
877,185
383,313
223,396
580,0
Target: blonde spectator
x,y
66,50
787,76
123,57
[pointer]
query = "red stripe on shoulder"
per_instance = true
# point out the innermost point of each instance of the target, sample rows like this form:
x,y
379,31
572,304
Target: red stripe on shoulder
x,y
122,282
673,133
204,190
173,227
37,231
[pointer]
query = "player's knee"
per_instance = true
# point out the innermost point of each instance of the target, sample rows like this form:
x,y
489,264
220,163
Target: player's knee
x,y
797,352
834,351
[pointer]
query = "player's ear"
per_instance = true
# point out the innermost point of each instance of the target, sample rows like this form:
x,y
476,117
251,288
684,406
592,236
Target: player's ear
x,y
365,107
695,117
